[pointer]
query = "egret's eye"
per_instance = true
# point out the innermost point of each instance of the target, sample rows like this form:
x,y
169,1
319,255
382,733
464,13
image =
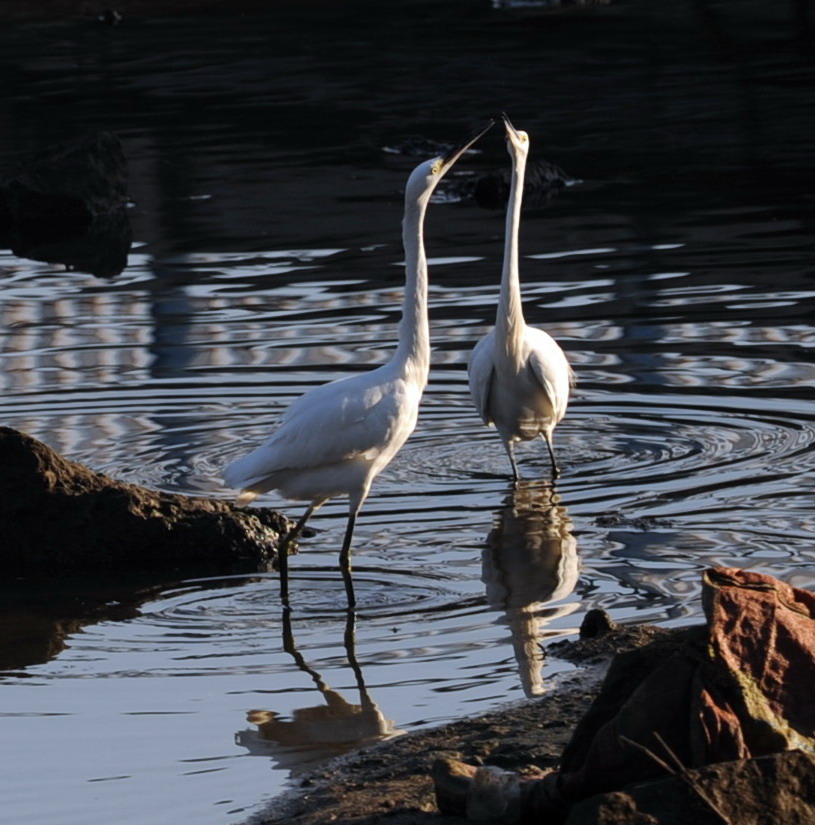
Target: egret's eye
x,y
436,168
524,137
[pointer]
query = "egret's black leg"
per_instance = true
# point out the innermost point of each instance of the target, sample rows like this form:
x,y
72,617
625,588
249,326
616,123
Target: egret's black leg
x,y
283,555
509,447
290,648
345,561
349,638
288,636
547,437
365,700
283,569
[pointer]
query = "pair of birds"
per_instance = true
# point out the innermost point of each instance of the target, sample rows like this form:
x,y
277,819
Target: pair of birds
x,y
338,437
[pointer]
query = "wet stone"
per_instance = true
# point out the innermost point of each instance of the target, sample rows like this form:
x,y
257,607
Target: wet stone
x,y
57,514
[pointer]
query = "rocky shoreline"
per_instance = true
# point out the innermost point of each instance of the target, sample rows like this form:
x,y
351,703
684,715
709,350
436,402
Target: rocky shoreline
x,y
390,783
58,515
592,752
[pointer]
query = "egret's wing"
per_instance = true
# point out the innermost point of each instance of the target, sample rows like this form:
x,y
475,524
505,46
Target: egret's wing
x,y
480,373
548,364
330,424
349,421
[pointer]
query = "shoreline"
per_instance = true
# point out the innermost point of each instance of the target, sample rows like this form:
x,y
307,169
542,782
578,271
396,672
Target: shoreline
x,y
390,782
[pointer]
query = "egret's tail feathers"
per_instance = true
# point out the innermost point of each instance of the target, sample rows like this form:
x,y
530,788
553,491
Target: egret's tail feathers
x,y
248,472
245,497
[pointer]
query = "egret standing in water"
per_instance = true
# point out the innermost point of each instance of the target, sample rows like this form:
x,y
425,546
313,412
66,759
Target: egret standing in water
x,y
519,376
335,439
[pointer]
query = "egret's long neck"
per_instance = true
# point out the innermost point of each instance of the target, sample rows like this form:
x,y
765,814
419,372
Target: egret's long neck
x,y
414,331
509,319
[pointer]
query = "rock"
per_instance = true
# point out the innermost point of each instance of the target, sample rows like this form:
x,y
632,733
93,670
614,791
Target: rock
x,y
769,789
70,183
56,514
544,180
101,249
596,623
67,204
724,708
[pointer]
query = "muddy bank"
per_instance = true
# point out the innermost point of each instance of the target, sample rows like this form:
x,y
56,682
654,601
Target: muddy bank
x,y
711,723
391,784
58,515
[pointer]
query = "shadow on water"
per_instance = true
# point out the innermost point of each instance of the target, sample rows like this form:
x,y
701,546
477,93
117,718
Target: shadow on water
x,y
100,249
530,561
37,619
317,733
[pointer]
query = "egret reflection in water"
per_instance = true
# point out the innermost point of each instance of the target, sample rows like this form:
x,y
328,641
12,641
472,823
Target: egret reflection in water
x,y
530,561
317,733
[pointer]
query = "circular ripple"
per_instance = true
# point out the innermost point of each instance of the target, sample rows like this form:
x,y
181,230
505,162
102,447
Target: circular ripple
x,y
665,446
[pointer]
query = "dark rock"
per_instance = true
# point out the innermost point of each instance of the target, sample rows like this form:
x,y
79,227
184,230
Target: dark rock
x,y
67,202
71,183
101,249
56,514
600,647
543,181
768,789
596,623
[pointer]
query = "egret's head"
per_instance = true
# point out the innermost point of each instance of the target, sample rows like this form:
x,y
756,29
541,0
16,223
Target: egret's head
x,y
425,176
517,141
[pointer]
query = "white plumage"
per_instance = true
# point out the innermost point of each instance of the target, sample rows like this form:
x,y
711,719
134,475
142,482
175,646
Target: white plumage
x,y
335,439
519,377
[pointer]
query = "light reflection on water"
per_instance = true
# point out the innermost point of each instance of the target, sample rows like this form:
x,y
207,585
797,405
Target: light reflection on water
x,y
675,458
677,276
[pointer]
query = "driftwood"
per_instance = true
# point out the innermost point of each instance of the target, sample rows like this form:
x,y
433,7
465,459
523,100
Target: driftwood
x,y
58,515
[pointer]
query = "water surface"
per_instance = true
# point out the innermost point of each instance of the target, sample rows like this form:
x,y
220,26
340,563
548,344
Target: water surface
x,y
677,274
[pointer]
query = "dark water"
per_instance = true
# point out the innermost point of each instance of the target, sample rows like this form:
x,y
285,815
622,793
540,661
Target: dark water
x,y
677,275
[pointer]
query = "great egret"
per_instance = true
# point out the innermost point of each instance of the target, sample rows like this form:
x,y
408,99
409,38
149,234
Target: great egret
x,y
519,376
335,439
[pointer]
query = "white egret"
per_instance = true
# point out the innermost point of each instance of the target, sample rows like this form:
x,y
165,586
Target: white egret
x,y
519,376
335,439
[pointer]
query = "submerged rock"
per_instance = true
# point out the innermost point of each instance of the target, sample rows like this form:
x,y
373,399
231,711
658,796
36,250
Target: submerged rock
x,y
57,514
544,180
70,183
67,204
101,249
